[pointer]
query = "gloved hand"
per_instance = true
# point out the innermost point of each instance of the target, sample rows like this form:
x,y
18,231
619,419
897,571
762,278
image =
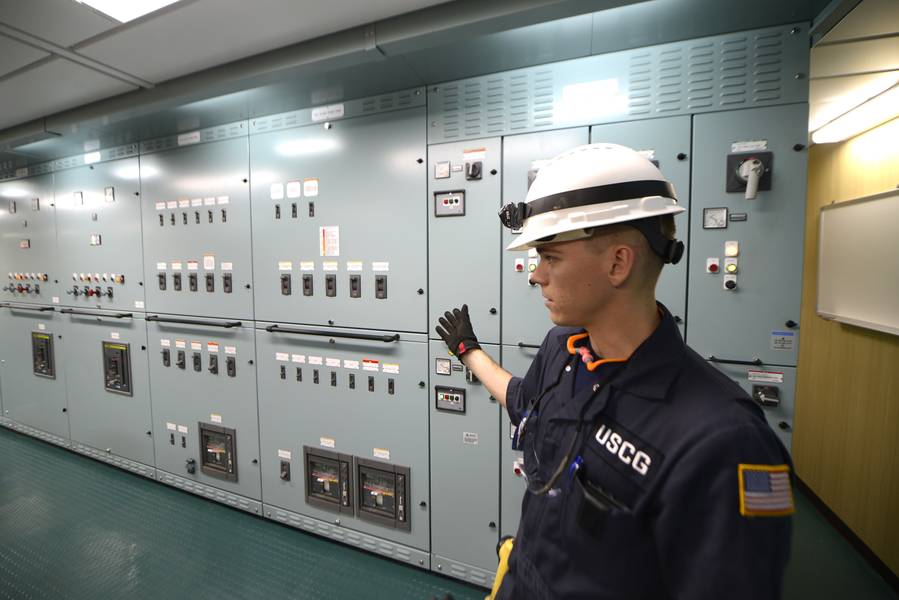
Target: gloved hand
x,y
455,329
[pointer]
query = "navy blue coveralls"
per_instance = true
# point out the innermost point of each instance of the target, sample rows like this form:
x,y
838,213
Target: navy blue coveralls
x,y
673,497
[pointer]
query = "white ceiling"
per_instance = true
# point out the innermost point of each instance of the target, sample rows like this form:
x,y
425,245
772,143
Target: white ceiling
x,y
858,57
95,57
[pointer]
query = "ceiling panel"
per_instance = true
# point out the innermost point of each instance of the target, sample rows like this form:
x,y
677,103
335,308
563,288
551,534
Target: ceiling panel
x,y
63,22
869,18
206,33
855,57
829,98
52,87
15,55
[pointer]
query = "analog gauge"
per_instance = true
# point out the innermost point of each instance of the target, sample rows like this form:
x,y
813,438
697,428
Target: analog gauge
x,y
714,218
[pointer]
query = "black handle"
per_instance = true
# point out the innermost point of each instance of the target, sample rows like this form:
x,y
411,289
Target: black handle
x,y
91,313
34,308
225,325
523,345
754,362
325,333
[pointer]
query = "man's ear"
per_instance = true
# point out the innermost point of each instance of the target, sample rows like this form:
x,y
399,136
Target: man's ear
x,y
622,261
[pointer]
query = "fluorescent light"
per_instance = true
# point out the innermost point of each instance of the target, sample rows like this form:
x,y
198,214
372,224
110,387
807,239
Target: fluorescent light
x,y
14,193
879,109
128,10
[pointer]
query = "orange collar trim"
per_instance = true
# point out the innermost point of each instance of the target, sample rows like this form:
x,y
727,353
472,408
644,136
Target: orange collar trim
x,y
591,365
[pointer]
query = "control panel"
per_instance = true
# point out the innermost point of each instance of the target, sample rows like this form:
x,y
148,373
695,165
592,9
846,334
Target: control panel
x,y
329,479
383,493
450,399
117,368
25,286
218,451
329,248
99,235
196,229
43,364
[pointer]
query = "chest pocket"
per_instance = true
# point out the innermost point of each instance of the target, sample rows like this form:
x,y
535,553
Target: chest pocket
x,y
601,498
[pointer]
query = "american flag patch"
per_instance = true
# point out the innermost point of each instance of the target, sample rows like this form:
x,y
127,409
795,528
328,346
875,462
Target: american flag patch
x,y
765,491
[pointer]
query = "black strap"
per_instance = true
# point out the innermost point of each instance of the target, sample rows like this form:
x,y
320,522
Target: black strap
x,y
600,194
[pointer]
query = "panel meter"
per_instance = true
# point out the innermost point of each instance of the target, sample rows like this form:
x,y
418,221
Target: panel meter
x,y
383,496
329,481
218,451
42,355
117,368
450,399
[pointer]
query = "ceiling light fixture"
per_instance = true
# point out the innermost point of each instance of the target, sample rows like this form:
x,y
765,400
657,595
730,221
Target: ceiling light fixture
x,y
126,11
877,110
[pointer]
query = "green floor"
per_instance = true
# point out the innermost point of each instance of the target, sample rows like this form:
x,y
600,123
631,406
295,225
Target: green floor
x,y
71,527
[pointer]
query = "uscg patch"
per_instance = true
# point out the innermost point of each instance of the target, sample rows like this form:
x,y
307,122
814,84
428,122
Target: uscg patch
x,y
765,491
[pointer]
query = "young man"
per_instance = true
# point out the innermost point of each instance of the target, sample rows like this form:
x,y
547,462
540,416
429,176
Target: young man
x,y
650,475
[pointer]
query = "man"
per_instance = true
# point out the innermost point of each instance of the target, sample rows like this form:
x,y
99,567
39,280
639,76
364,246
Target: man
x,y
650,475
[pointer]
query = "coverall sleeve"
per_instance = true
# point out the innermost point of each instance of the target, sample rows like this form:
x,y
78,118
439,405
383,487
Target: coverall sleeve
x,y
707,549
520,390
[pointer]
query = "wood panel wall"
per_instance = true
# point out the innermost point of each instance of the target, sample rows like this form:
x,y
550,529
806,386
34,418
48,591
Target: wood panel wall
x,y
846,427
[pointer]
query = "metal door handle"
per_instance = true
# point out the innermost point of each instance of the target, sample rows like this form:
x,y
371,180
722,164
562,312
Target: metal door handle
x,y
523,345
325,333
225,325
756,361
90,313
34,308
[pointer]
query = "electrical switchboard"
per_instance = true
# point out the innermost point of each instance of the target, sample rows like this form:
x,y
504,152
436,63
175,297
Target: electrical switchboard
x,y
99,235
525,318
339,224
667,143
463,249
28,259
464,438
353,393
32,368
108,383
195,209
203,377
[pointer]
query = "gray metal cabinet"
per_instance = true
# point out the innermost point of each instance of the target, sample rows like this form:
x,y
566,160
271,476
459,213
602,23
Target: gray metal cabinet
x,y
32,368
339,222
334,402
464,233
29,268
525,318
666,141
195,210
203,377
464,469
107,382
99,235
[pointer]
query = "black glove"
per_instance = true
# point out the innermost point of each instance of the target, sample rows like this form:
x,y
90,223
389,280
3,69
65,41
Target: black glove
x,y
455,329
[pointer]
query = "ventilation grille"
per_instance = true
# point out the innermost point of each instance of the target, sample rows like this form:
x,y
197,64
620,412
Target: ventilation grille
x,y
212,134
711,74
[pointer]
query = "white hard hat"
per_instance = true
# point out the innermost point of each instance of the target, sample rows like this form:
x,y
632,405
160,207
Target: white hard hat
x,y
591,186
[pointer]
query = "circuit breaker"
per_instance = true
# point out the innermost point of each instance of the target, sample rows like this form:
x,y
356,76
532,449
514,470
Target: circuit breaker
x,y
218,451
99,235
473,197
195,212
42,361
117,368
28,257
316,385
329,248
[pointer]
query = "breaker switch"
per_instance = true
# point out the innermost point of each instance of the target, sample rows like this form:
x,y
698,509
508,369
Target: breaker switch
x,y
198,362
312,209
285,470
172,439
181,360
226,283
473,170
184,218
277,211
214,364
172,218
315,376
184,441
333,378
283,372
355,286
371,383
224,216
299,374
293,210
307,285
161,221
75,291
161,277
210,282
285,284
390,386
191,466
166,357
231,366
331,286
352,381
88,291
209,216
109,293
192,281
381,286
176,281
197,217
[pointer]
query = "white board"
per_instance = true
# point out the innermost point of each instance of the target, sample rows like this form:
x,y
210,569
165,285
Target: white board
x,y
858,262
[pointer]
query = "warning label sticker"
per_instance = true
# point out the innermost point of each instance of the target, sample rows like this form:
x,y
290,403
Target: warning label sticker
x,y
783,340
329,241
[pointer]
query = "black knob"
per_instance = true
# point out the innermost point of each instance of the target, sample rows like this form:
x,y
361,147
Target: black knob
x,y
249,362
784,425
149,433
420,160
420,291
492,525
423,504
730,284
330,322
421,384
791,323
255,461
247,286
798,147
681,156
493,171
65,410
492,311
